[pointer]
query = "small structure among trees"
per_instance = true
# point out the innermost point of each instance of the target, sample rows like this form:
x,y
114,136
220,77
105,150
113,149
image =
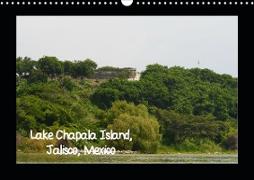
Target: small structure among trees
x,y
109,72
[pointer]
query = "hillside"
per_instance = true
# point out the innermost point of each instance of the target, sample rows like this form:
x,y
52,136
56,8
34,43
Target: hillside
x,y
177,108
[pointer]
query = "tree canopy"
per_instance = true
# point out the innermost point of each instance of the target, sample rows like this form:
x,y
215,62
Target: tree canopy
x,y
172,106
176,88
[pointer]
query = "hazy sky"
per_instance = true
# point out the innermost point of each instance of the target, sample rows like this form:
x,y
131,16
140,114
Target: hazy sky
x,y
133,41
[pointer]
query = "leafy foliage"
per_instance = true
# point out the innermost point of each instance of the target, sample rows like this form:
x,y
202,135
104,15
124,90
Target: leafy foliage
x,y
50,66
188,109
185,91
176,128
143,127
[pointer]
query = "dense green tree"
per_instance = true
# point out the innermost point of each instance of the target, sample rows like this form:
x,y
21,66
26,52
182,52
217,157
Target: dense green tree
x,y
84,68
67,83
25,65
105,97
42,105
50,66
37,76
144,128
231,142
177,127
68,68
185,91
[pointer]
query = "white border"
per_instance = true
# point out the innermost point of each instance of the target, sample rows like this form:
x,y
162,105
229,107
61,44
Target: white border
x,y
139,3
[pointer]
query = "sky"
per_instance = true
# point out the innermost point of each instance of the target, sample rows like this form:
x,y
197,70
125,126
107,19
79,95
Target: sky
x,y
133,41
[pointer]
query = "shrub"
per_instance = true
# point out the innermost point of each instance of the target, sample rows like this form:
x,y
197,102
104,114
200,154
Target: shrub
x,y
231,142
32,145
37,76
67,83
198,145
144,129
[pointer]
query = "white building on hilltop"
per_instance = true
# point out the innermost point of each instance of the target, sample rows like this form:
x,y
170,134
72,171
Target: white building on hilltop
x,y
135,77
